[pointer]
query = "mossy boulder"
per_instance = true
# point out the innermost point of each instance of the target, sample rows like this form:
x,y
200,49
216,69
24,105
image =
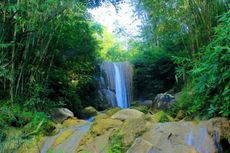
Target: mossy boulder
x,y
125,114
72,122
141,146
97,139
100,116
99,144
112,111
141,108
102,125
131,129
60,114
88,112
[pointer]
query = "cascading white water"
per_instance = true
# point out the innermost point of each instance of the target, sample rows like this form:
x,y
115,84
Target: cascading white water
x,y
118,87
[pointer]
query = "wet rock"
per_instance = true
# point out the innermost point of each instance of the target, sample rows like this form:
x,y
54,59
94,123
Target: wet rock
x,y
97,144
61,114
63,136
141,146
88,112
66,140
127,114
180,137
163,101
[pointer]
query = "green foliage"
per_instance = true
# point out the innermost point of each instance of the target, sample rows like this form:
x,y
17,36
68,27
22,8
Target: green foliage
x,y
31,123
14,116
208,92
115,144
183,66
48,53
181,24
212,73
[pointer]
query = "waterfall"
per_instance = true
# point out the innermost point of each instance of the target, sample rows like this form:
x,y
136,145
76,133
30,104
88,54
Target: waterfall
x,y
117,88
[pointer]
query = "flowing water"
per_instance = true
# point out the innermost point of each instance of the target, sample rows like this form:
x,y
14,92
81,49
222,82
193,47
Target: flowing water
x,y
116,83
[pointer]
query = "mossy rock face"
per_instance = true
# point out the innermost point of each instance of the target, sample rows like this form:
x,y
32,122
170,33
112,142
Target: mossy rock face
x,y
60,114
100,116
141,108
99,134
99,144
112,111
126,114
131,129
72,121
88,112
100,126
161,117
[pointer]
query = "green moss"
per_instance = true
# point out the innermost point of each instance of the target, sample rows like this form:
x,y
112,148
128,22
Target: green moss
x,y
112,111
100,126
115,145
63,136
141,108
161,116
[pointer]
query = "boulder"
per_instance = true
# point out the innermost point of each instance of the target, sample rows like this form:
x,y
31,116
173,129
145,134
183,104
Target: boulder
x,y
98,138
181,137
222,126
112,111
131,129
163,101
141,108
97,144
127,114
72,122
103,125
88,112
141,146
61,114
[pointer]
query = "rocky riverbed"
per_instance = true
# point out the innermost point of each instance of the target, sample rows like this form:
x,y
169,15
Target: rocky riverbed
x,y
132,131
